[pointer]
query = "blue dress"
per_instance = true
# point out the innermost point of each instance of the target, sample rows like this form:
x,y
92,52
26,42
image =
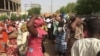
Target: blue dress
x,y
61,44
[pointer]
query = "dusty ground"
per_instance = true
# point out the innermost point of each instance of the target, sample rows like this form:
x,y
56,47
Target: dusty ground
x,y
50,49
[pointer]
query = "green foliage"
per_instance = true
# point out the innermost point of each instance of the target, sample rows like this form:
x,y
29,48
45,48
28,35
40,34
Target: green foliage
x,y
13,17
71,8
24,16
87,6
19,17
34,11
68,8
82,7
62,10
3,17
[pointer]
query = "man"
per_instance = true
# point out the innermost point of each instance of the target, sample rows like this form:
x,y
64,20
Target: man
x,y
49,26
88,46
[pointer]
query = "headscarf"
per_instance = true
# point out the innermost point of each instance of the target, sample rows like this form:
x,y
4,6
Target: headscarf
x,y
38,24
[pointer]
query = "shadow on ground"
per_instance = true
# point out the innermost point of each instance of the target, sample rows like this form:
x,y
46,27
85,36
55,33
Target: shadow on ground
x,y
50,49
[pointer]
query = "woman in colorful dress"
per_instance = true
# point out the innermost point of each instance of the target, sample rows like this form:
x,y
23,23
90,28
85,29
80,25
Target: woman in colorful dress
x,y
35,38
61,44
3,38
12,49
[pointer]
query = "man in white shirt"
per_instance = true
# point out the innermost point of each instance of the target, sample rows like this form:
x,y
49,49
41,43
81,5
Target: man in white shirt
x,y
88,46
49,26
48,21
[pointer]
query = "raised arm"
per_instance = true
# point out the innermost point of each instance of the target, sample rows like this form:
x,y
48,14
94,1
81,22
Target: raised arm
x,y
31,27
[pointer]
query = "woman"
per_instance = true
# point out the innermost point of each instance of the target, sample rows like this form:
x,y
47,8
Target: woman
x,y
3,38
35,38
60,38
22,39
12,49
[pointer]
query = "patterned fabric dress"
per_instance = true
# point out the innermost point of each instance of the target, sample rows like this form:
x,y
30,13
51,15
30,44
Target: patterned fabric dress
x,y
3,41
3,38
61,44
35,42
12,49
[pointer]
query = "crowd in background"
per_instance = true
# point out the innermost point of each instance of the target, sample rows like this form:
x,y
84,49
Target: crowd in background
x,y
26,37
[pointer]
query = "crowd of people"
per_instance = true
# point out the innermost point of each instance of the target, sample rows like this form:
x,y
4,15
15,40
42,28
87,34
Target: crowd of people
x,y
73,36
9,37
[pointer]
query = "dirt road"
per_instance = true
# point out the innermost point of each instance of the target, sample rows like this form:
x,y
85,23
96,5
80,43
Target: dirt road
x,y
50,49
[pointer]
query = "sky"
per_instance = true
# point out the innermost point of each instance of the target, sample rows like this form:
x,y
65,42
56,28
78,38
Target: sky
x,y
46,4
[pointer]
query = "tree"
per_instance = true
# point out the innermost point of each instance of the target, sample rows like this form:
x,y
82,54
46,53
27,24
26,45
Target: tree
x,y
85,7
3,17
71,8
62,10
34,11
24,16
13,17
68,8
19,17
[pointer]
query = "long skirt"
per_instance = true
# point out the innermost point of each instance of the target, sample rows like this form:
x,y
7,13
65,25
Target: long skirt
x,y
61,44
12,49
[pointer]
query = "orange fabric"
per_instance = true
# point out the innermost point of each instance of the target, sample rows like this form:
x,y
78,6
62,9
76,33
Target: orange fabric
x,y
2,41
5,37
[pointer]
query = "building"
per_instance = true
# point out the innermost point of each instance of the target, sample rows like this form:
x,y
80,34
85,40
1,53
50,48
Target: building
x,y
7,7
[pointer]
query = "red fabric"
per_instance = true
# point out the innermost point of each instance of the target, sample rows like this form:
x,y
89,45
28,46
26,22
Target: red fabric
x,y
4,38
34,47
12,49
3,41
38,22
34,43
